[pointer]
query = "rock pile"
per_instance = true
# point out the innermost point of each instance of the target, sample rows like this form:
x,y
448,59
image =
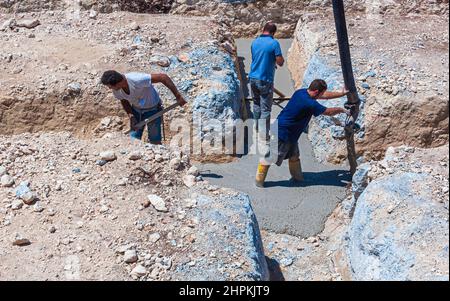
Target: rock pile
x,y
132,218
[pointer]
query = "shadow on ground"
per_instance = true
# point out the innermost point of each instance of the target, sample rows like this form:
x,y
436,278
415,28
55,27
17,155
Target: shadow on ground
x,y
338,178
274,270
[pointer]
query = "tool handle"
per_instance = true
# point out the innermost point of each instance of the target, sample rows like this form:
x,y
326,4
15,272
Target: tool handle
x,y
143,123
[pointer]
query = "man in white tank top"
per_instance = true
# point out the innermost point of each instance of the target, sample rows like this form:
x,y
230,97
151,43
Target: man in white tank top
x,y
140,99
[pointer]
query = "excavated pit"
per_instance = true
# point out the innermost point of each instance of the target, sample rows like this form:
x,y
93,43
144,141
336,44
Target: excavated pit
x,y
51,72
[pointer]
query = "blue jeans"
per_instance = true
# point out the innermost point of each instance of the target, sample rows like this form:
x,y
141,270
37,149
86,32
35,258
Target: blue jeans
x,y
262,94
154,128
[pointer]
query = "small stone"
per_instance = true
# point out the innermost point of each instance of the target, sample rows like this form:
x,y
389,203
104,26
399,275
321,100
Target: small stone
x,y
38,208
134,26
28,23
160,60
52,229
122,182
74,88
130,256
2,171
93,14
365,86
29,198
189,180
285,262
193,171
21,241
135,156
139,271
16,204
108,156
101,162
10,23
104,209
123,249
390,209
166,263
184,57
175,163
146,203
58,186
157,202
311,240
154,237
166,183
155,273
7,181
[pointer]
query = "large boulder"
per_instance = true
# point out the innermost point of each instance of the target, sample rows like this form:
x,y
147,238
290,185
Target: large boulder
x,y
399,231
400,226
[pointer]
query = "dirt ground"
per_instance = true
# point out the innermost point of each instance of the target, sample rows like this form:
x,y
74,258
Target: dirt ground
x,y
51,72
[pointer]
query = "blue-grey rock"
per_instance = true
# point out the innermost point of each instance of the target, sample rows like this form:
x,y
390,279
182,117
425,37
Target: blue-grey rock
x,y
398,232
22,190
360,180
365,86
235,234
101,162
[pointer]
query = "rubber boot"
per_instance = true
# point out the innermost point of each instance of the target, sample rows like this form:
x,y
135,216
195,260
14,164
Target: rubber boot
x,y
261,175
295,167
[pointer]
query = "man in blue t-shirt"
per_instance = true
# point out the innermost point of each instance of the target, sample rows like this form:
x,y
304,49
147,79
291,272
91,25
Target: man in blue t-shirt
x,y
266,54
293,121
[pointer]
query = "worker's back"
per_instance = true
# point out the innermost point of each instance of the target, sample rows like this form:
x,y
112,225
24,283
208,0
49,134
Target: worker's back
x,y
265,49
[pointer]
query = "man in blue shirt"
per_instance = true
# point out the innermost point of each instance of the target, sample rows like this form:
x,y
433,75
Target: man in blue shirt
x,y
266,54
292,122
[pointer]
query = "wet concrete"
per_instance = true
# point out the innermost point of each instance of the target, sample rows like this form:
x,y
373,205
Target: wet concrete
x,y
284,206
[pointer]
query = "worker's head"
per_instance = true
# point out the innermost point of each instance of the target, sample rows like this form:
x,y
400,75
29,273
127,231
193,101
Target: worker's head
x,y
270,28
317,88
113,79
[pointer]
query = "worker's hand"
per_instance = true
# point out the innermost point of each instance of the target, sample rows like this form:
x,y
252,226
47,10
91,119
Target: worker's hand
x,y
347,112
345,91
180,99
133,123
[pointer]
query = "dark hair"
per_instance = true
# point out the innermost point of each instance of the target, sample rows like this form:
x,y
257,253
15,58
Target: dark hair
x,y
270,28
111,78
318,85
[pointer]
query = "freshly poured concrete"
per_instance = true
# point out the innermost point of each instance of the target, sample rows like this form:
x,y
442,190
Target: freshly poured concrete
x,y
283,206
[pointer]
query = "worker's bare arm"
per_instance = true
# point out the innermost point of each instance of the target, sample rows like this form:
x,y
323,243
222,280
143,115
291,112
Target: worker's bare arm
x,y
335,111
334,94
126,106
167,81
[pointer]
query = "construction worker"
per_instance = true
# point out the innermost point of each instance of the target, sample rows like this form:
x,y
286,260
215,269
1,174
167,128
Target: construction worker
x,y
292,122
140,100
266,55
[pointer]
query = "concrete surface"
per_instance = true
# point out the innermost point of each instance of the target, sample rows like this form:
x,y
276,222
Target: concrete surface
x,y
283,206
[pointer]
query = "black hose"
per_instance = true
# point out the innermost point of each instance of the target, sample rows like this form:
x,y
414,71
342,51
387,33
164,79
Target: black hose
x,y
347,71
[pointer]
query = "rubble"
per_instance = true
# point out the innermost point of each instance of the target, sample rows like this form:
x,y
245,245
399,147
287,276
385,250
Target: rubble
x,y
96,214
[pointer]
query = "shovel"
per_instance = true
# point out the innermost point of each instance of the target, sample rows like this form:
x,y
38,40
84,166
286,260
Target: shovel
x,y
143,123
